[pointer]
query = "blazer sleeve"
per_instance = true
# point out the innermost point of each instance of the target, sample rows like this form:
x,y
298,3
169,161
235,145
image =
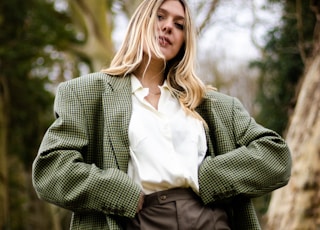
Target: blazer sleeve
x,y
60,175
251,160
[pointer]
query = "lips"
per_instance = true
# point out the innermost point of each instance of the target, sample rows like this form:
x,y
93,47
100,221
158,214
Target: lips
x,y
163,40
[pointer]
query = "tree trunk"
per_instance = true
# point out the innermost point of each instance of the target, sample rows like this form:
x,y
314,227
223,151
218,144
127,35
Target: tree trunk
x,y
296,206
94,21
4,201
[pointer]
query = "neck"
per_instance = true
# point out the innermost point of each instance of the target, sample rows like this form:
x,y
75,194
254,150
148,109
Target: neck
x,y
150,74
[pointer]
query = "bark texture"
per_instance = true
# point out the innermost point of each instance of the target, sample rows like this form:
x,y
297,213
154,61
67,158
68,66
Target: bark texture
x,y
296,206
4,201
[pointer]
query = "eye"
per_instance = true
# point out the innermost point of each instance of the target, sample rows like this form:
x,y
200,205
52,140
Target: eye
x,y
160,17
179,26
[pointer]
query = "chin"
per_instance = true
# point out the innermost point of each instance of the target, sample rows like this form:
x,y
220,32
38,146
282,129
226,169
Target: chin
x,y
168,57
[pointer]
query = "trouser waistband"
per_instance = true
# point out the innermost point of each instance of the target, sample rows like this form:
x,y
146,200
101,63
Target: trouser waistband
x,y
170,195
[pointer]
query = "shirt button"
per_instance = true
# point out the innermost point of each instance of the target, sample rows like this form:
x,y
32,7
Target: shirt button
x,y
163,197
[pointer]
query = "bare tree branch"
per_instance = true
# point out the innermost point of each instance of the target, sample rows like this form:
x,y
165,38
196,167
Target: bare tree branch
x,y
315,7
95,20
301,43
212,8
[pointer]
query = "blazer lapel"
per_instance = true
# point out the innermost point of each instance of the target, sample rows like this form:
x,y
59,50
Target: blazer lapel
x,y
117,107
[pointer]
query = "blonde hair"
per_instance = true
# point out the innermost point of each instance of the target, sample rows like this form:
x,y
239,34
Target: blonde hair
x,y
179,72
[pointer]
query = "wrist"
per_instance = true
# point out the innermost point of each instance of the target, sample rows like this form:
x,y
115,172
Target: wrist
x,y
141,201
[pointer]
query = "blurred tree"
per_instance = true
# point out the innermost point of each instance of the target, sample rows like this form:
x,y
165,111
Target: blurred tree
x,y
4,204
27,29
282,66
283,63
95,23
229,77
297,206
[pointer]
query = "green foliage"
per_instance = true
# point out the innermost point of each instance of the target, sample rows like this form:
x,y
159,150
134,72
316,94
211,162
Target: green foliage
x,y
30,30
27,27
282,65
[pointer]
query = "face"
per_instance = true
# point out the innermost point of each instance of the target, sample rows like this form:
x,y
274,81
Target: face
x,y
171,23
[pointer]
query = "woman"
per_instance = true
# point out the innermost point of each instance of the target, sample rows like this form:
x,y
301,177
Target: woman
x,y
145,145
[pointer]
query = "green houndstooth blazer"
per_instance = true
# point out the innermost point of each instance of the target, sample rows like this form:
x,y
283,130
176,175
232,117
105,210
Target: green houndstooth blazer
x,y
83,158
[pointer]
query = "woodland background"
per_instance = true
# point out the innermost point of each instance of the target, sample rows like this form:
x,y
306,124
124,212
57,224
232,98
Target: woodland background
x,y
44,42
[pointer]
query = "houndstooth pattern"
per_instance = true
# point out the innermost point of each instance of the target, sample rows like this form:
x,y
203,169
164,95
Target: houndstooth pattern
x,y
82,161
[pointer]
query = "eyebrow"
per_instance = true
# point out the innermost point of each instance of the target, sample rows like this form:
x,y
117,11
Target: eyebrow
x,y
178,17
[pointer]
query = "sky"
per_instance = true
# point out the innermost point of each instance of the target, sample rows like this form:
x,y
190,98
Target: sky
x,y
230,33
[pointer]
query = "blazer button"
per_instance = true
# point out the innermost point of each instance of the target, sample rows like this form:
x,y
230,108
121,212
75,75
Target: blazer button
x,y
163,197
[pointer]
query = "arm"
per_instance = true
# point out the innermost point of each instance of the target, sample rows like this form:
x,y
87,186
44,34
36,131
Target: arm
x,y
252,160
62,177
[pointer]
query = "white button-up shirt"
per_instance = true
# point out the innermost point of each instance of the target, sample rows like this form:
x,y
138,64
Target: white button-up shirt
x,y
166,145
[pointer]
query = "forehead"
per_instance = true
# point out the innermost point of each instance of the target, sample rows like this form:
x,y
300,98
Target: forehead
x,y
173,7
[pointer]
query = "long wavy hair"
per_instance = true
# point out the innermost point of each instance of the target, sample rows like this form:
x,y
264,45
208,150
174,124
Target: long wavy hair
x,y
179,72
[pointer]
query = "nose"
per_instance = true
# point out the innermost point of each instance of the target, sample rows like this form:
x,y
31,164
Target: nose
x,y
167,26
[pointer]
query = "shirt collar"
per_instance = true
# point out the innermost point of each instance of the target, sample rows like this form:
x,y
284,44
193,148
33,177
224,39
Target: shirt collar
x,y
136,84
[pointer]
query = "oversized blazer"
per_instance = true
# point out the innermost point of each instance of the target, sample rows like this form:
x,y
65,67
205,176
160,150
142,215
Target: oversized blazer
x,y
83,158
